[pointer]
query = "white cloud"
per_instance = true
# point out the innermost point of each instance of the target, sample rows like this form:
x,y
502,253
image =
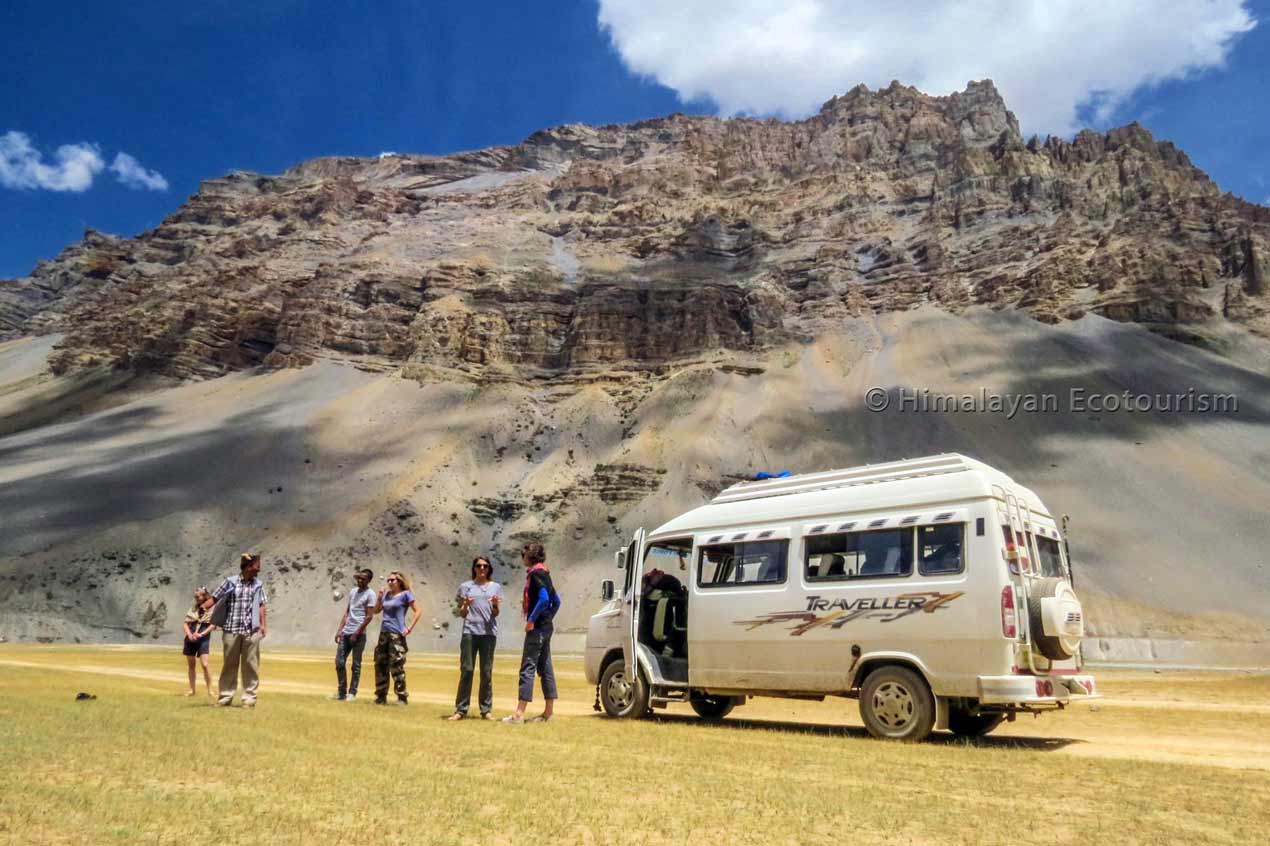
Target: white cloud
x,y
130,172
23,166
74,167
1048,57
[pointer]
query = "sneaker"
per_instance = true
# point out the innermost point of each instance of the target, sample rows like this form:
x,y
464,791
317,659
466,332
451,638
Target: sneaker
x,y
381,700
456,716
512,719
335,697
403,700
224,703
352,697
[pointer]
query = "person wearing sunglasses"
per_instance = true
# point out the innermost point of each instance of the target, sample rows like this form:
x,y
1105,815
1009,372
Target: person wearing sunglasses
x,y
477,602
390,652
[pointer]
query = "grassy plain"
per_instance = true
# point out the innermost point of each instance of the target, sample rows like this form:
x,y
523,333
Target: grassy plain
x,y
1166,758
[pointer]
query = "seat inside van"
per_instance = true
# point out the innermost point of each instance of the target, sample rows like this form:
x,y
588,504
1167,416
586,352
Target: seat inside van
x,y
670,624
878,565
664,615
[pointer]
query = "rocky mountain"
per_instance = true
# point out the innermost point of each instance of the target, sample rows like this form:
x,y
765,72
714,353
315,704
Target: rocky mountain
x,y
414,358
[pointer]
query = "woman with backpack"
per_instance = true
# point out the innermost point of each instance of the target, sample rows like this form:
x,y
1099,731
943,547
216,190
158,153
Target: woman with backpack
x,y
540,603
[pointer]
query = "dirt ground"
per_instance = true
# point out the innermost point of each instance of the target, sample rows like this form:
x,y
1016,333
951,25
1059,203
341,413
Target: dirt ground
x,y
1214,718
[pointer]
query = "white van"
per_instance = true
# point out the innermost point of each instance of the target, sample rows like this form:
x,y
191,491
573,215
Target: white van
x,y
937,591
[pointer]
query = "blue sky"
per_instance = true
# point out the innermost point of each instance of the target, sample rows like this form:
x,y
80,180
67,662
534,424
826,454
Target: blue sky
x,y
192,94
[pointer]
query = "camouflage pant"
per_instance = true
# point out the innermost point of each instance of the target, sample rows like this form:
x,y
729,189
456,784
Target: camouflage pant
x,y
390,656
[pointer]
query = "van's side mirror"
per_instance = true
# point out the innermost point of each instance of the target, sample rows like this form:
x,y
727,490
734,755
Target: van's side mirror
x,y
606,590
619,558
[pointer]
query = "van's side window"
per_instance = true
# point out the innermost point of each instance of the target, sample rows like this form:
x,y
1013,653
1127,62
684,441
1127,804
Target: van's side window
x,y
886,553
758,563
939,549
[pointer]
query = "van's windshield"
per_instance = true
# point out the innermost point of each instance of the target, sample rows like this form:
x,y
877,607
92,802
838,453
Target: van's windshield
x,y
668,555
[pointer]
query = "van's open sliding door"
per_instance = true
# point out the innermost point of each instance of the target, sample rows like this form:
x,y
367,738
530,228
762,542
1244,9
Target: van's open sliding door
x,y
634,580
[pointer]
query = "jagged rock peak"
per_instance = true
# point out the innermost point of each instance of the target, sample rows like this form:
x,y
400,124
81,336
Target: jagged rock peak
x,y
979,112
585,249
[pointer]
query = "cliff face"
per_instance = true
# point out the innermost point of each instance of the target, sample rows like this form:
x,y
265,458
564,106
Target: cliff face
x,y
583,248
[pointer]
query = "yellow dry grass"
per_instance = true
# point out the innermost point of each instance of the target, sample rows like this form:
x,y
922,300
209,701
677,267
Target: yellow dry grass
x,y
1166,758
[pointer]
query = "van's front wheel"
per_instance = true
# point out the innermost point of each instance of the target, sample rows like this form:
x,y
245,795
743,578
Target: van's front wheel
x,y
896,704
623,695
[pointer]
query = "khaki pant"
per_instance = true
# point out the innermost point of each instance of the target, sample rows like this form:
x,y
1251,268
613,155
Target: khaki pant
x,y
242,651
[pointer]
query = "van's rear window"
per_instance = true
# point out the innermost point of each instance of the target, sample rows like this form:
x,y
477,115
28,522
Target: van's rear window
x,y
859,555
759,563
1051,561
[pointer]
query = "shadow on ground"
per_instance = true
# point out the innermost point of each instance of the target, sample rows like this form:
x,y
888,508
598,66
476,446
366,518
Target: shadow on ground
x,y
1035,744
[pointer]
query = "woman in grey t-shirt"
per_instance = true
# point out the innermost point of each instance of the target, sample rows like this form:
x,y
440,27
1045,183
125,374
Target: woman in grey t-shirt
x,y
477,602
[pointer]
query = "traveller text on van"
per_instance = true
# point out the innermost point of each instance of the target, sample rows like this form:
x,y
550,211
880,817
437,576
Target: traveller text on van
x,y
935,590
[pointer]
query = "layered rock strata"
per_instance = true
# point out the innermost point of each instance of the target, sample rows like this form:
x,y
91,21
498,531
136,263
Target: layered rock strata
x,y
583,248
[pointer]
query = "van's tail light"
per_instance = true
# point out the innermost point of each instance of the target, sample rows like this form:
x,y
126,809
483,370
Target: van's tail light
x,y
1014,554
1009,619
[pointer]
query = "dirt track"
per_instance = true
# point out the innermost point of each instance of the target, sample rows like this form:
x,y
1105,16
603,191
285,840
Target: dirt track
x,y
1217,719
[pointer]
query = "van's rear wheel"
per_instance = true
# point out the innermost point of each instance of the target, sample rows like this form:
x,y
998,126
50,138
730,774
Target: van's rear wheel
x,y
965,724
623,695
896,704
712,707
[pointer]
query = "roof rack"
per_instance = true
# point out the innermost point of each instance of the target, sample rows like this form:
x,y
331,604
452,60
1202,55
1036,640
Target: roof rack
x,y
868,474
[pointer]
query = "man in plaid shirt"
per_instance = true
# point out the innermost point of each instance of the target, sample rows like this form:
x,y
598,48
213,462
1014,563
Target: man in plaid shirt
x,y
243,628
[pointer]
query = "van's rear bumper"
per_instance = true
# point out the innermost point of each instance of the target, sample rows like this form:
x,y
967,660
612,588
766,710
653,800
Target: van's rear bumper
x,y
1040,690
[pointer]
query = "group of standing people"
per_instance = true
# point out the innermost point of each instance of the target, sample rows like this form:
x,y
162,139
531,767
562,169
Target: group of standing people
x,y
238,608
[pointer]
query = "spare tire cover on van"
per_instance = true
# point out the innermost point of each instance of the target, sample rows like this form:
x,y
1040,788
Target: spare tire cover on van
x,y
1055,618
